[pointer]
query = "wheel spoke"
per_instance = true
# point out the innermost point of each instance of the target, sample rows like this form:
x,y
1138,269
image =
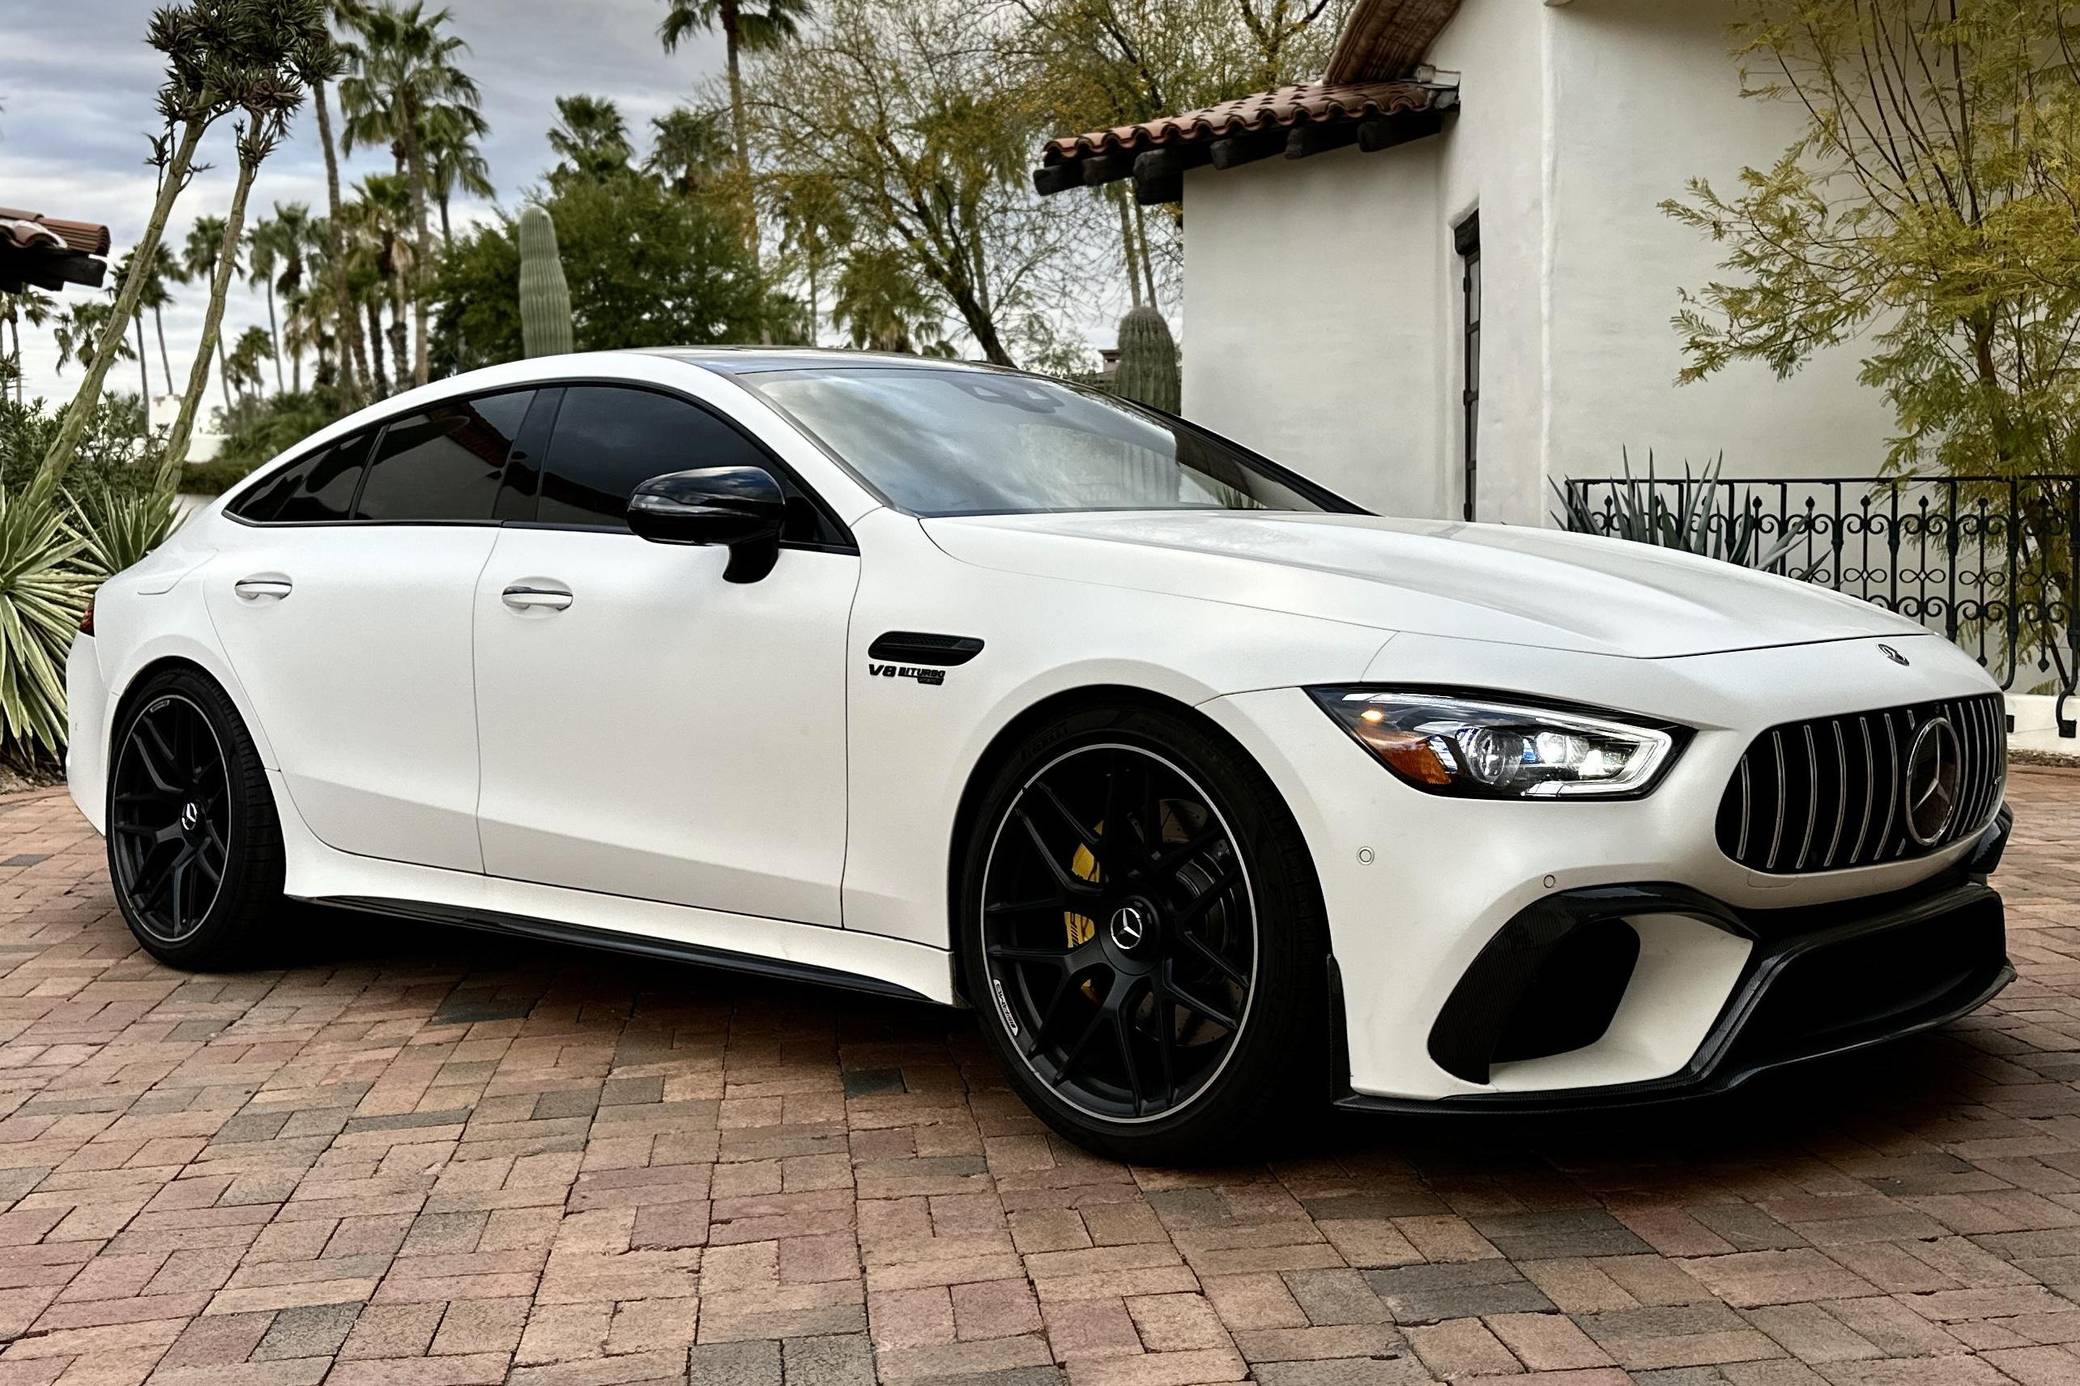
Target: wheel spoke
x,y
1204,1008
1068,881
1222,965
1124,1033
1216,889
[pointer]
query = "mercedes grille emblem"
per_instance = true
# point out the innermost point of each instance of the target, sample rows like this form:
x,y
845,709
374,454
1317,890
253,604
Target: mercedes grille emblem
x,y
1894,655
1129,927
1933,764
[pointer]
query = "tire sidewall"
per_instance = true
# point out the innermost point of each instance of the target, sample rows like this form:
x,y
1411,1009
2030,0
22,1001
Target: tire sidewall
x,y
1289,987
252,859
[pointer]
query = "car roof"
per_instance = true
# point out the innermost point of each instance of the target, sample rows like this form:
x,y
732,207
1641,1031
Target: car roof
x,y
749,360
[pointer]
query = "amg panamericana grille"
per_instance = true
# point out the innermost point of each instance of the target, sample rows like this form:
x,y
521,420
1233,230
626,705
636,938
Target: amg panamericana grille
x,y
1831,793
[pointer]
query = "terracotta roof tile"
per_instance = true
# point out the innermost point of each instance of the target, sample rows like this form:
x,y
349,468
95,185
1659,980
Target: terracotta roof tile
x,y
24,228
1318,103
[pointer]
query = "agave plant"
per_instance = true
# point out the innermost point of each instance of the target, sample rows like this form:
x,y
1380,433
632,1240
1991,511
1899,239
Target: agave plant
x,y
1693,519
117,528
43,591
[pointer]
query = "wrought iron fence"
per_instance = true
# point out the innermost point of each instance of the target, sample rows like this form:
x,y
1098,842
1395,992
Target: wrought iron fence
x,y
1990,562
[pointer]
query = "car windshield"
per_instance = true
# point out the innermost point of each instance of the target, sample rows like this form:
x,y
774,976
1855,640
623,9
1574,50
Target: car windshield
x,y
949,441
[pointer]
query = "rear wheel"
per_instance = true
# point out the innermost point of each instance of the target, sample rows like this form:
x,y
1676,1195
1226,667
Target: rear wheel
x,y
1142,936
194,847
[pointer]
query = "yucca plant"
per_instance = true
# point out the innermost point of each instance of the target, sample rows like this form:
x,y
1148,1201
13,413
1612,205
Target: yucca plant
x,y
1693,520
43,591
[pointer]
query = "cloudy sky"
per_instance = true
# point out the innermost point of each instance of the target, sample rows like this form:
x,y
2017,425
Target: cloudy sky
x,y
76,106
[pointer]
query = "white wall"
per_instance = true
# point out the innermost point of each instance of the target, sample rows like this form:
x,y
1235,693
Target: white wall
x,y
1322,295
1313,293
1646,98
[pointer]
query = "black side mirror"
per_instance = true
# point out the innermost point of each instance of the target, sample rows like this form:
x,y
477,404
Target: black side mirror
x,y
740,507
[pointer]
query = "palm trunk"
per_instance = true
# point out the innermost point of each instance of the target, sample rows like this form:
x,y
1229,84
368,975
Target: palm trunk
x,y
740,133
223,372
274,336
447,236
165,361
416,182
375,349
1126,245
212,333
349,324
66,445
1148,268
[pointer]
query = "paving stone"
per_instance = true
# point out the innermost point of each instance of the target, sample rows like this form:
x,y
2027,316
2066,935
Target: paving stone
x,y
435,1158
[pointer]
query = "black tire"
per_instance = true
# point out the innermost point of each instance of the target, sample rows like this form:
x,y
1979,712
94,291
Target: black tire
x,y
1154,920
194,843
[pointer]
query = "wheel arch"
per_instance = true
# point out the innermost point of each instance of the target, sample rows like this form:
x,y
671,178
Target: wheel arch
x,y
1062,703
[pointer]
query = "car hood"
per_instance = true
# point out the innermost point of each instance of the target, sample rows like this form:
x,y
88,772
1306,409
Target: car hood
x,y
1536,587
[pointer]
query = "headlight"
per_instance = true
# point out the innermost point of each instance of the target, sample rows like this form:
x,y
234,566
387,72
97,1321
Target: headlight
x,y
1499,750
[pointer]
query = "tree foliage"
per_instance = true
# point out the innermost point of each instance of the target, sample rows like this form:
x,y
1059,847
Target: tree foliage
x,y
1930,208
645,267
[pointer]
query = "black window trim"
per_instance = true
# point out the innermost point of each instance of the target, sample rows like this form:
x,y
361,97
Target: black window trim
x,y
375,430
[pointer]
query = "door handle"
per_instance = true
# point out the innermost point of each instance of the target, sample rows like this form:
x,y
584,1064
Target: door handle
x,y
263,587
523,596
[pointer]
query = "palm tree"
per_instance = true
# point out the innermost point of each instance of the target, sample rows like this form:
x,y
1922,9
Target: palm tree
x,y
591,137
454,163
126,267
199,256
813,222
352,354
300,238
33,308
689,148
403,68
242,367
264,254
79,329
748,26
382,209
880,301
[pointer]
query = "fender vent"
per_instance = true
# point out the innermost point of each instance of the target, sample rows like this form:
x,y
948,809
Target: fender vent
x,y
923,647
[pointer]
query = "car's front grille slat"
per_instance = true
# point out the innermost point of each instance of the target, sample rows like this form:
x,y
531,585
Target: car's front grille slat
x,y
1844,806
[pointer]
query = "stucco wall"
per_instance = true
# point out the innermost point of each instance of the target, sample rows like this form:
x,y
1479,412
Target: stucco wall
x,y
1646,98
1312,292
1322,295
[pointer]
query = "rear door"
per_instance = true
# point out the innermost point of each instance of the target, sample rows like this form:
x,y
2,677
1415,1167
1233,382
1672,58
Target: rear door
x,y
346,616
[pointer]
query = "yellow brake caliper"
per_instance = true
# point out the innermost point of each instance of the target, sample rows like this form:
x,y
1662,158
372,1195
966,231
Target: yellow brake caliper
x,y
1080,927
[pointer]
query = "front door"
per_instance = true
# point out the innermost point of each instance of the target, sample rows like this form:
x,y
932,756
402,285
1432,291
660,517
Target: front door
x,y
648,729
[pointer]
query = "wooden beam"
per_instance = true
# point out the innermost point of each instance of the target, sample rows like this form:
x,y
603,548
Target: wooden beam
x,y
1385,131
1050,179
1106,168
1313,138
1159,173
1233,151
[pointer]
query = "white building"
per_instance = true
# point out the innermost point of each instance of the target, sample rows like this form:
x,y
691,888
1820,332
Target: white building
x,y
1490,161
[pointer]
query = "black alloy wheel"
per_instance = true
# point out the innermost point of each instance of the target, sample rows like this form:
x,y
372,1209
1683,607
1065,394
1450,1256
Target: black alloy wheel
x,y
169,822
194,842
1119,932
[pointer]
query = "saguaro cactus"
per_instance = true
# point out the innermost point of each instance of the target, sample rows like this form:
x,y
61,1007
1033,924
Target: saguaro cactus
x,y
545,300
1148,359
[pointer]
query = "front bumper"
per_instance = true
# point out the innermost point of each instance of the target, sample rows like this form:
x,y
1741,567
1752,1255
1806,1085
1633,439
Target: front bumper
x,y
1817,981
1415,886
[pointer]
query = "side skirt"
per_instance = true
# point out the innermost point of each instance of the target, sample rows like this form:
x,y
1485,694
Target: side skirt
x,y
613,941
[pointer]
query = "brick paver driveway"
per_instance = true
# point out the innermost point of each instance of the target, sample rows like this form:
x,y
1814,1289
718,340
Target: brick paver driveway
x,y
428,1156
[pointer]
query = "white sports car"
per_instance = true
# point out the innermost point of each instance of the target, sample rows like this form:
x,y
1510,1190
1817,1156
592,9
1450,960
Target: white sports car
x,y
1209,792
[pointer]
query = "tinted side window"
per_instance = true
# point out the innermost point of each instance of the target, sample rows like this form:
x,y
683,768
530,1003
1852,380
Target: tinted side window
x,y
444,463
324,487
610,440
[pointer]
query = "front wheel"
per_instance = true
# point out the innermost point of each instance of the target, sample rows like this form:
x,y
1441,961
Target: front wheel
x,y
1142,937
194,846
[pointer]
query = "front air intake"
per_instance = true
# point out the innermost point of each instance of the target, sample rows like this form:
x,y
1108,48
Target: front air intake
x,y
1866,787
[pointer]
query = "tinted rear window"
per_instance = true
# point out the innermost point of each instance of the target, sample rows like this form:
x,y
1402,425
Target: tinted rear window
x,y
443,463
317,488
